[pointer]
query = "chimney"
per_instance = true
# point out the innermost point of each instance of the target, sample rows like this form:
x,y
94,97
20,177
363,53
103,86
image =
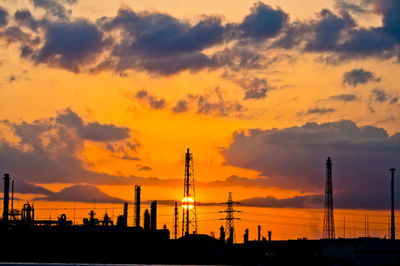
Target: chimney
x,y
6,196
153,220
137,206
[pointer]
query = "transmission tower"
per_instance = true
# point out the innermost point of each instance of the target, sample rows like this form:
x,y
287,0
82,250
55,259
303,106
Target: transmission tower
x,y
189,215
329,226
230,225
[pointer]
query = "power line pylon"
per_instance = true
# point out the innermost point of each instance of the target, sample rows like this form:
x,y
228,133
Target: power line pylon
x,y
230,225
189,214
329,226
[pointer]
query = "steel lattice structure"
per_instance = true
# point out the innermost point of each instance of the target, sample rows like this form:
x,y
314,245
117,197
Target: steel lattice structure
x,y
230,219
189,214
329,225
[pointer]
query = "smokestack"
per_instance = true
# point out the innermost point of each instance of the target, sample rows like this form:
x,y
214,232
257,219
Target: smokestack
x,y
12,197
259,232
153,220
125,214
6,196
269,235
146,220
137,206
392,228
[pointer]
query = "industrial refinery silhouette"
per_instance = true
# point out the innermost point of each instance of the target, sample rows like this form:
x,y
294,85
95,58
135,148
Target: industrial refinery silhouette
x,y
26,239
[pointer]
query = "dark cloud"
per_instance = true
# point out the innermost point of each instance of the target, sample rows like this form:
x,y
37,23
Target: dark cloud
x,y
327,30
394,100
212,103
27,188
344,98
12,78
181,106
48,150
92,130
294,158
3,17
71,44
356,200
14,34
24,18
351,6
81,193
143,168
151,100
310,201
263,22
255,88
55,8
318,111
380,96
359,76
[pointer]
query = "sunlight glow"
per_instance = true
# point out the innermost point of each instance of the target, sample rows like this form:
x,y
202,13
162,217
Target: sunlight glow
x,y
187,202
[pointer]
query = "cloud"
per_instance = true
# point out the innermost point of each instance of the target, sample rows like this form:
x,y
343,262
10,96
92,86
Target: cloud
x,y
181,106
344,98
255,88
263,22
27,188
351,6
359,76
394,100
71,45
317,111
294,158
80,193
49,150
143,168
379,96
55,7
151,100
310,201
327,30
356,200
3,17
212,103
24,17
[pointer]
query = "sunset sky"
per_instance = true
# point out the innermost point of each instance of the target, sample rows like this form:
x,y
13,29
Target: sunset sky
x,y
99,95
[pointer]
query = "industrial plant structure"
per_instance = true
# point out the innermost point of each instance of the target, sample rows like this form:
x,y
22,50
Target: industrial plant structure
x,y
26,239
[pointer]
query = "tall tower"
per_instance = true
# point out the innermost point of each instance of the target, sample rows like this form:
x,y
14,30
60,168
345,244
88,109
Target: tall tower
x,y
6,196
230,225
137,205
329,225
392,227
189,214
